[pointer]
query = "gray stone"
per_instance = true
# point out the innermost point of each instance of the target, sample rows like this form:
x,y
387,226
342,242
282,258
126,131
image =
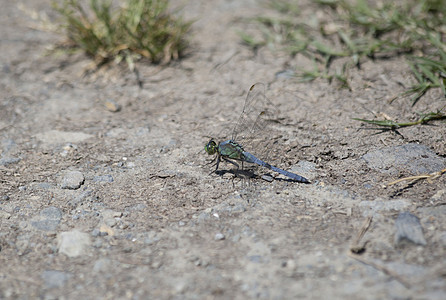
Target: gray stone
x,y
73,243
408,227
51,213
219,236
268,178
48,219
72,180
412,158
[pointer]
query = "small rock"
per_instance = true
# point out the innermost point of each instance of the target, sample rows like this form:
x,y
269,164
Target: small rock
x,y
410,158
73,243
72,180
51,213
267,177
408,227
112,105
110,222
48,219
219,237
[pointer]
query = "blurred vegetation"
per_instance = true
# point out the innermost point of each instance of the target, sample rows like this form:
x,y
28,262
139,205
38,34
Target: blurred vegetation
x,y
134,30
356,30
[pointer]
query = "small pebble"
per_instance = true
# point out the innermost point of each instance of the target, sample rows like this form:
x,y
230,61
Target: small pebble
x,y
72,180
408,227
48,219
112,105
219,237
268,178
73,243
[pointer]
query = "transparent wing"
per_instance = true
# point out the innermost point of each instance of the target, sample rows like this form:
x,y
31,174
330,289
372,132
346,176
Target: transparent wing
x,y
253,128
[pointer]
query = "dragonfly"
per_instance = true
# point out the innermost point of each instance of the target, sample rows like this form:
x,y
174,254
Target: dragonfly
x,y
250,121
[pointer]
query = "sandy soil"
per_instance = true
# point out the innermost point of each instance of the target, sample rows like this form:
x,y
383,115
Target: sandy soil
x,y
103,204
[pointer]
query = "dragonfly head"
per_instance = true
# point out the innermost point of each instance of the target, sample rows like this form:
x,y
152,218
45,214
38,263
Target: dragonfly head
x,y
211,147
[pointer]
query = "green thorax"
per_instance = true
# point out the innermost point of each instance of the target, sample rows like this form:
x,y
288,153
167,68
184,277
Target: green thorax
x,y
232,150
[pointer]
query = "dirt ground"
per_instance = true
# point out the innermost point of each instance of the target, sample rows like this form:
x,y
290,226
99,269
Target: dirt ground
x,y
104,204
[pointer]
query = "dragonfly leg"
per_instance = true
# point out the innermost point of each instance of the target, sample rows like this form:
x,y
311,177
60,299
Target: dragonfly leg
x,y
231,162
215,160
217,163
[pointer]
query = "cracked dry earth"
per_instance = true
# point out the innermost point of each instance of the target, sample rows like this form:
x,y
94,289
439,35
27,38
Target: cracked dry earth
x,y
104,203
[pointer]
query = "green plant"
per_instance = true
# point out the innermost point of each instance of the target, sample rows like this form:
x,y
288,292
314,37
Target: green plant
x,y
392,125
137,29
356,30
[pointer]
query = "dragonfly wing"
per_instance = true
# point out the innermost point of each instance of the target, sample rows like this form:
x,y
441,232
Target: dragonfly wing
x,y
257,109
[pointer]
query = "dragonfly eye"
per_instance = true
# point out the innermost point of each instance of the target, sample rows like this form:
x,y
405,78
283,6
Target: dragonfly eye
x,y
211,147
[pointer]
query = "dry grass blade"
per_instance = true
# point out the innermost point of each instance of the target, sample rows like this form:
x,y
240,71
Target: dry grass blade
x,y
381,268
429,177
358,246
